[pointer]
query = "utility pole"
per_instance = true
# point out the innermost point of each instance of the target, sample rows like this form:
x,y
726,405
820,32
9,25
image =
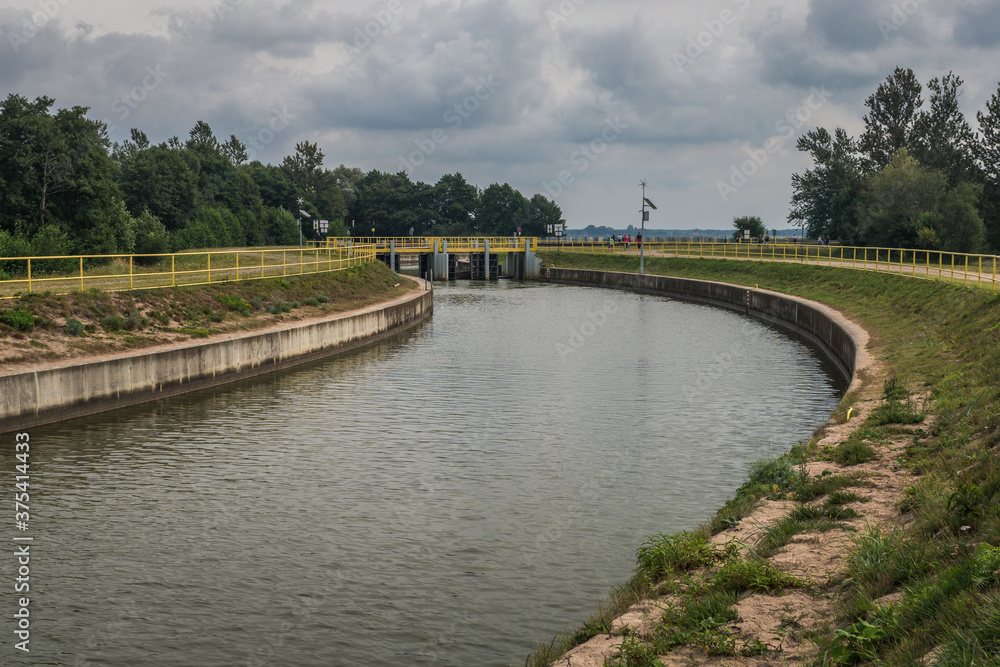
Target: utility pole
x,y
642,225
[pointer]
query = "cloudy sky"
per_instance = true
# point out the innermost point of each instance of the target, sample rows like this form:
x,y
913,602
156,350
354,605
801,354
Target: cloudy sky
x,y
576,99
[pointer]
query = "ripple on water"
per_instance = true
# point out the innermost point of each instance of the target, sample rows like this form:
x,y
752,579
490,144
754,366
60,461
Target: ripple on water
x,y
443,498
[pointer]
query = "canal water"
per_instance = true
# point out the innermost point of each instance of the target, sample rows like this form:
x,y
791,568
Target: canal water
x,y
445,497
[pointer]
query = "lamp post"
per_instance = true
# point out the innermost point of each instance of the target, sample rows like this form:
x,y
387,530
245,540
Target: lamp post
x,y
642,225
301,213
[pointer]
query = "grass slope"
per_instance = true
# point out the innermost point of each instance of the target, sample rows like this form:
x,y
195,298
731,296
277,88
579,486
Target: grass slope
x,y
42,327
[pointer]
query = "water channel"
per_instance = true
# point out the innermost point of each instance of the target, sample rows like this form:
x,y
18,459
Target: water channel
x,y
445,497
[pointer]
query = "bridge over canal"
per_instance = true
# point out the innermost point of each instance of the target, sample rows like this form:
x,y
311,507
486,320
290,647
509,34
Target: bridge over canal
x,y
451,258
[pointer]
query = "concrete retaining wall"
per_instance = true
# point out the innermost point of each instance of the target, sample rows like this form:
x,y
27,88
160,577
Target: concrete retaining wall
x,y
840,339
71,390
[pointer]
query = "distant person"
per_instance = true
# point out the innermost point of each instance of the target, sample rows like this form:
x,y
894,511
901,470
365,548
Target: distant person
x,y
638,241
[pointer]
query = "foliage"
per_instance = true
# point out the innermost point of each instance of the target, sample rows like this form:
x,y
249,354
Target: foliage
x,y
18,319
74,327
234,303
662,555
751,222
113,323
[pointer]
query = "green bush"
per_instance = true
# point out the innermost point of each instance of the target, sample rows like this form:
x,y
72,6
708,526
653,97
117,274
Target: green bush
x,y
312,302
662,555
135,321
113,323
74,327
18,319
257,303
772,472
322,298
234,303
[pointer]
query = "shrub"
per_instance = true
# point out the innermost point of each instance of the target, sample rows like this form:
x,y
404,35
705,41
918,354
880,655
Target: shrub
x,y
214,316
312,302
134,321
295,304
74,327
234,303
662,555
113,323
322,298
18,319
772,472
256,303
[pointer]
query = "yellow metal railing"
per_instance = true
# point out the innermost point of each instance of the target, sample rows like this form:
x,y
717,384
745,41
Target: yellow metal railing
x,y
965,268
456,244
118,273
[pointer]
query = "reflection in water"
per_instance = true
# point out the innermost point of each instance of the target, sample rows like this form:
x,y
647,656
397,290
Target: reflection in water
x,y
441,498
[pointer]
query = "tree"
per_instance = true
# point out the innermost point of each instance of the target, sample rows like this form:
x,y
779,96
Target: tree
x,y
943,138
161,181
751,222
304,168
907,205
275,186
988,154
387,203
454,205
56,174
235,150
501,208
541,213
891,120
824,198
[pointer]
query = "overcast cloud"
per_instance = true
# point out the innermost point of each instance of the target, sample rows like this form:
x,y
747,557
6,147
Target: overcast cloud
x,y
575,99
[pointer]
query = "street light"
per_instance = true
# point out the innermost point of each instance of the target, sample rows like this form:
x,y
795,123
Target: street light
x,y
642,225
301,213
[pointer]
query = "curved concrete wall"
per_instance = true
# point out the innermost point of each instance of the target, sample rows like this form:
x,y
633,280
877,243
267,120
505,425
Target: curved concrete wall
x,y
840,339
61,392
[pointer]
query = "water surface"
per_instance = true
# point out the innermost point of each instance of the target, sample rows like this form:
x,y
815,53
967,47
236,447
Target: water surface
x,y
441,498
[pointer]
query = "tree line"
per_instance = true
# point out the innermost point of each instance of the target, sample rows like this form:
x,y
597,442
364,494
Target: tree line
x,y
65,188
916,177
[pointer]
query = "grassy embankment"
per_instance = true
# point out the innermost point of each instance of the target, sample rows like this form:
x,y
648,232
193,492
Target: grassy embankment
x,y
43,327
944,566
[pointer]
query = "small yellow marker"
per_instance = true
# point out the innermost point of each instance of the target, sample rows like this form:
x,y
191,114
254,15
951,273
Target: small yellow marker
x,y
849,414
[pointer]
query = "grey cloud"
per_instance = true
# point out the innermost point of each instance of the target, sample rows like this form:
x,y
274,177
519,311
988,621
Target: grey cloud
x,y
847,25
978,23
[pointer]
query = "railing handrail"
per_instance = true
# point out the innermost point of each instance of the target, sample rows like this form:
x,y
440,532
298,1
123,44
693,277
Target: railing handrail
x,y
293,261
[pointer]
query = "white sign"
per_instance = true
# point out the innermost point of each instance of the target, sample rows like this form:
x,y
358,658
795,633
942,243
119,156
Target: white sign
x,y
559,229
324,226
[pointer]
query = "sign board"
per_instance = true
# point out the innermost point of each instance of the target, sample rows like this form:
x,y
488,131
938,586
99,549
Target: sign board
x,y
746,234
315,225
548,229
324,226
645,216
558,233
559,229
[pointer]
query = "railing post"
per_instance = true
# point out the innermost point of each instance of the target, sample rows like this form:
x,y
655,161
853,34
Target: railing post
x,y
173,275
81,273
237,265
29,275
130,283
209,255
284,262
